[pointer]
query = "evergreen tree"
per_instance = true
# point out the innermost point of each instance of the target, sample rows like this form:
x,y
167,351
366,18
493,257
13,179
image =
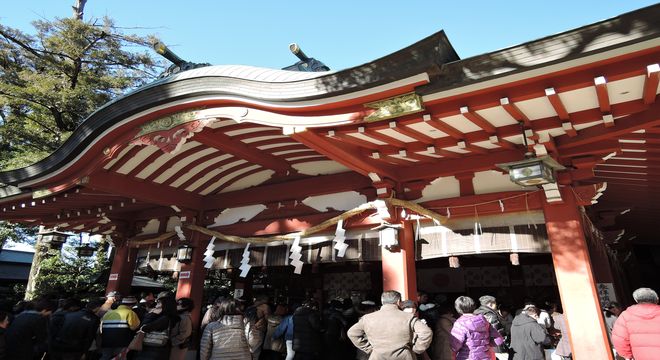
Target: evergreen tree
x,y
52,79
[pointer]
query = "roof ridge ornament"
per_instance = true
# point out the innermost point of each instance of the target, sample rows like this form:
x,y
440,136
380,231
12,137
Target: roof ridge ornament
x,y
178,64
306,64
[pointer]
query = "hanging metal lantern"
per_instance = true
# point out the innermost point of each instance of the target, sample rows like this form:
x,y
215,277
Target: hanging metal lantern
x,y
184,253
54,239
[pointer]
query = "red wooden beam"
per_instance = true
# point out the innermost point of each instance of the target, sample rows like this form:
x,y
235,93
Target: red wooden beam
x,y
599,148
388,158
580,117
148,192
290,190
601,92
230,182
353,140
448,167
342,154
478,120
214,178
641,120
473,148
494,139
171,162
444,153
186,169
624,66
411,133
146,162
515,113
651,83
228,145
126,158
444,127
556,103
375,134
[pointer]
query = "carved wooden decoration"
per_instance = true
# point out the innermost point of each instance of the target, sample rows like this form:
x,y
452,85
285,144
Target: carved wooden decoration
x,y
171,132
394,107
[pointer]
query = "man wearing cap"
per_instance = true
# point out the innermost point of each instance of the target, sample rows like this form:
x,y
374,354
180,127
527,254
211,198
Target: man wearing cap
x,y
118,327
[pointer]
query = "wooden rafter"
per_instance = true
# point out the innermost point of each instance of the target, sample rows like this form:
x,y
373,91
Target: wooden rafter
x,y
126,158
184,170
404,130
601,93
217,177
515,113
147,192
651,83
623,127
375,134
353,140
342,154
448,167
478,120
291,190
557,104
170,163
228,145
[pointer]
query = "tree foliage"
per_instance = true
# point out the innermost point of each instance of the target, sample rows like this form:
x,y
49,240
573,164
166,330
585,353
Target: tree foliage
x,y
52,79
64,274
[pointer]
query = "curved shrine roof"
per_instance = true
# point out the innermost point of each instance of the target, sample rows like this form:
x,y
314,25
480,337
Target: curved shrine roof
x,y
401,122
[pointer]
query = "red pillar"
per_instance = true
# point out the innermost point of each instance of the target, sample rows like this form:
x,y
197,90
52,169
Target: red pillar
x,y
121,272
191,278
399,271
570,255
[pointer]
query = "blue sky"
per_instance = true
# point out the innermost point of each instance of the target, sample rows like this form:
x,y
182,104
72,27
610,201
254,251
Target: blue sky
x,y
340,33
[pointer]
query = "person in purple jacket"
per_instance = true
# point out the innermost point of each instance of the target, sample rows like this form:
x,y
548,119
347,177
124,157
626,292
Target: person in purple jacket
x,y
472,335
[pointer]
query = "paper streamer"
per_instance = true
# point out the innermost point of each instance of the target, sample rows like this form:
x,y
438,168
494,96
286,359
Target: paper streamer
x,y
295,256
340,237
245,267
208,254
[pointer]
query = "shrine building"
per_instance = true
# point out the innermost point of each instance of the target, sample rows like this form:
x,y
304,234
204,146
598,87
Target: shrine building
x,y
529,171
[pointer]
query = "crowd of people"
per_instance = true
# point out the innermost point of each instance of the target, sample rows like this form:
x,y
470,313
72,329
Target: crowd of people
x,y
161,327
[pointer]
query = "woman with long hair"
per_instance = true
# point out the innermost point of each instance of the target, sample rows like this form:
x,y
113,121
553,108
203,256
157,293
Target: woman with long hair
x,y
156,326
182,333
225,338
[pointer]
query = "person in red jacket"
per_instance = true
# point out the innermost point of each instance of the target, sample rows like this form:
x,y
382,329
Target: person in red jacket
x,y
636,333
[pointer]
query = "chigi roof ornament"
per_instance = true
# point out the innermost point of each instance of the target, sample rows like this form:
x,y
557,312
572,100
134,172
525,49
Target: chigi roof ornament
x,y
178,64
306,63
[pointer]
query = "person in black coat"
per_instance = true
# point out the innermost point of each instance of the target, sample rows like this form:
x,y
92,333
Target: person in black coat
x,y
307,331
527,335
27,336
158,323
77,333
335,341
